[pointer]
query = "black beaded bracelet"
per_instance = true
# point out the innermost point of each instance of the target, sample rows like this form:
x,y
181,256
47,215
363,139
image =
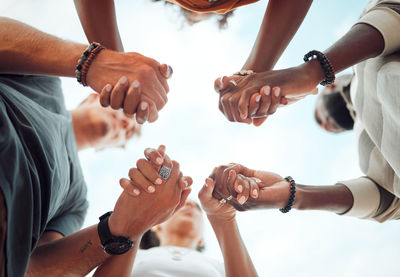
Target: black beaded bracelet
x,y
292,195
85,60
326,65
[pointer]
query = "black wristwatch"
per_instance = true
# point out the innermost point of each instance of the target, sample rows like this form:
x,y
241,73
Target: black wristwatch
x,y
113,245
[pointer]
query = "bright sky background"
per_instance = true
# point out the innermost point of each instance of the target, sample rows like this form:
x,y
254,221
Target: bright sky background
x,y
199,137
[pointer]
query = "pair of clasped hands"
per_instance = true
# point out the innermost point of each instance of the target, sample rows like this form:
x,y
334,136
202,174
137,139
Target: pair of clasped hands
x,y
138,85
150,198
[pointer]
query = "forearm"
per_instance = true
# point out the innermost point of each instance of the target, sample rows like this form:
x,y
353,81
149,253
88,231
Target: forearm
x,y
74,255
337,198
236,258
26,50
120,265
99,22
281,21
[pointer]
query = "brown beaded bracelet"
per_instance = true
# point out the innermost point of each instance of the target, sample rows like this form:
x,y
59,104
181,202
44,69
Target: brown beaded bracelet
x,y
86,60
326,65
292,195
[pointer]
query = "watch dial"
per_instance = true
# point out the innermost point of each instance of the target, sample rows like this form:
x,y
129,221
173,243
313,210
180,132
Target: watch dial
x,y
117,246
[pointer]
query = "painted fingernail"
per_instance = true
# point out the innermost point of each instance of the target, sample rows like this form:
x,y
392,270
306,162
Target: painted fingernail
x,y
255,193
258,98
144,105
267,90
136,192
240,188
277,92
158,181
159,160
151,189
123,80
242,200
108,87
169,71
136,84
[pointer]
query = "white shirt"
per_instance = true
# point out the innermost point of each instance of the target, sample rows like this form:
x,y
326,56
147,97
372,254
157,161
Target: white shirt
x,y
172,261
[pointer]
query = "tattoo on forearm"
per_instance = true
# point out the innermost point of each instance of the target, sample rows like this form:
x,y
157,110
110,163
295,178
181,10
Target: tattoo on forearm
x,y
86,246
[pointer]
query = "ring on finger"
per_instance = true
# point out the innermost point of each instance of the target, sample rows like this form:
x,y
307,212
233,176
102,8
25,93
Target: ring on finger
x,y
233,82
164,172
222,201
230,197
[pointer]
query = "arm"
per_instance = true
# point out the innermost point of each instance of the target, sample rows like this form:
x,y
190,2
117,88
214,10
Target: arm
x,y
281,21
222,218
99,22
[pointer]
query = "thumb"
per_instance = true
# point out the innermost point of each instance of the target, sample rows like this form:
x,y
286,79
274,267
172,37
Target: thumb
x,y
207,190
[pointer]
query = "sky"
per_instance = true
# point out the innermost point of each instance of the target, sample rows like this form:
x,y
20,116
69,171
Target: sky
x,y
199,137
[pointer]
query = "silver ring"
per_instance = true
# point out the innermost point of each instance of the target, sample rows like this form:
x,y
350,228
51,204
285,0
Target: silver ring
x,y
222,201
233,82
164,172
230,197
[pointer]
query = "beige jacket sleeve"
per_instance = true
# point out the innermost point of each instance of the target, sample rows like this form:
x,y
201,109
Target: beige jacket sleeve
x,y
385,17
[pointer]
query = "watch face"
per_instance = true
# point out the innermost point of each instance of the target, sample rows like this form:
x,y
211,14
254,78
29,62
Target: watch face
x,y
118,246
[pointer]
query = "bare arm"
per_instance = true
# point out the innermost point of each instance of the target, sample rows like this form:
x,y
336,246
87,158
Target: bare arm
x,y
281,21
99,22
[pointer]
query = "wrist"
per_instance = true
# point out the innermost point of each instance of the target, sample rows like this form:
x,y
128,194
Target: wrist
x,y
221,220
314,71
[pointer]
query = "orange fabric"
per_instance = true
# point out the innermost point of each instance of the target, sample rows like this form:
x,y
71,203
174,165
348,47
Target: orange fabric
x,y
218,6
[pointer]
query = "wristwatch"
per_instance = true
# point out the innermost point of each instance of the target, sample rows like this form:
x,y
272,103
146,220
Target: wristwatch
x,y
113,245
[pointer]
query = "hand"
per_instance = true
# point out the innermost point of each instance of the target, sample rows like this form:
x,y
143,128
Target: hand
x,y
136,213
281,87
121,78
214,209
273,191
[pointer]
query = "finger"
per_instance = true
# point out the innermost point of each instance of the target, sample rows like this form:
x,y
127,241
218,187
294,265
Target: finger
x,y
275,100
156,91
132,98
161,149
228,83
207,189
118,93
244,103
185,182
174,176
184,195
265,102
137,178
259,121
254,104
129,187
154,156
166,70
244,195
254,189
235,110
153,112
149,171
105,95
226,106
142,114
230,183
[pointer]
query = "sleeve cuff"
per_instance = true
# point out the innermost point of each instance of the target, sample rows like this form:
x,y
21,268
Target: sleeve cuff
x,y
387,22
366,197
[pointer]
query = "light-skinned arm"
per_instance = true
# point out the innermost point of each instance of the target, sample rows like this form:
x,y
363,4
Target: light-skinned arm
x,y
237,260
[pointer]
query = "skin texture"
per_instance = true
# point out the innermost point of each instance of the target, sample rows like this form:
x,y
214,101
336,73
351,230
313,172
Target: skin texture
x,y
25,50
360,43
273,191
79,253
101,128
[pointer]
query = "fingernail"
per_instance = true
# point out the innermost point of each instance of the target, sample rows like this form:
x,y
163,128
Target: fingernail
x,y
151,189
258,98
267,90
136,192
139,120
242,200
158,181
257,180
255,193
108,87
159,160
123,80
169,71
221,83
231,173
135,84
144,105
243,116
277,92
240,188
186,183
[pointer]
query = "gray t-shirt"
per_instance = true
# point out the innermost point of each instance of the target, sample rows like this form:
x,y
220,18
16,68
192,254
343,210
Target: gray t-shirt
x,y
40,174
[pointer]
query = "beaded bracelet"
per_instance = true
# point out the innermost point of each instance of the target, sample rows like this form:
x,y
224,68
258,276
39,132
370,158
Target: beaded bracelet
x,y
326,65
292,195
86,60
